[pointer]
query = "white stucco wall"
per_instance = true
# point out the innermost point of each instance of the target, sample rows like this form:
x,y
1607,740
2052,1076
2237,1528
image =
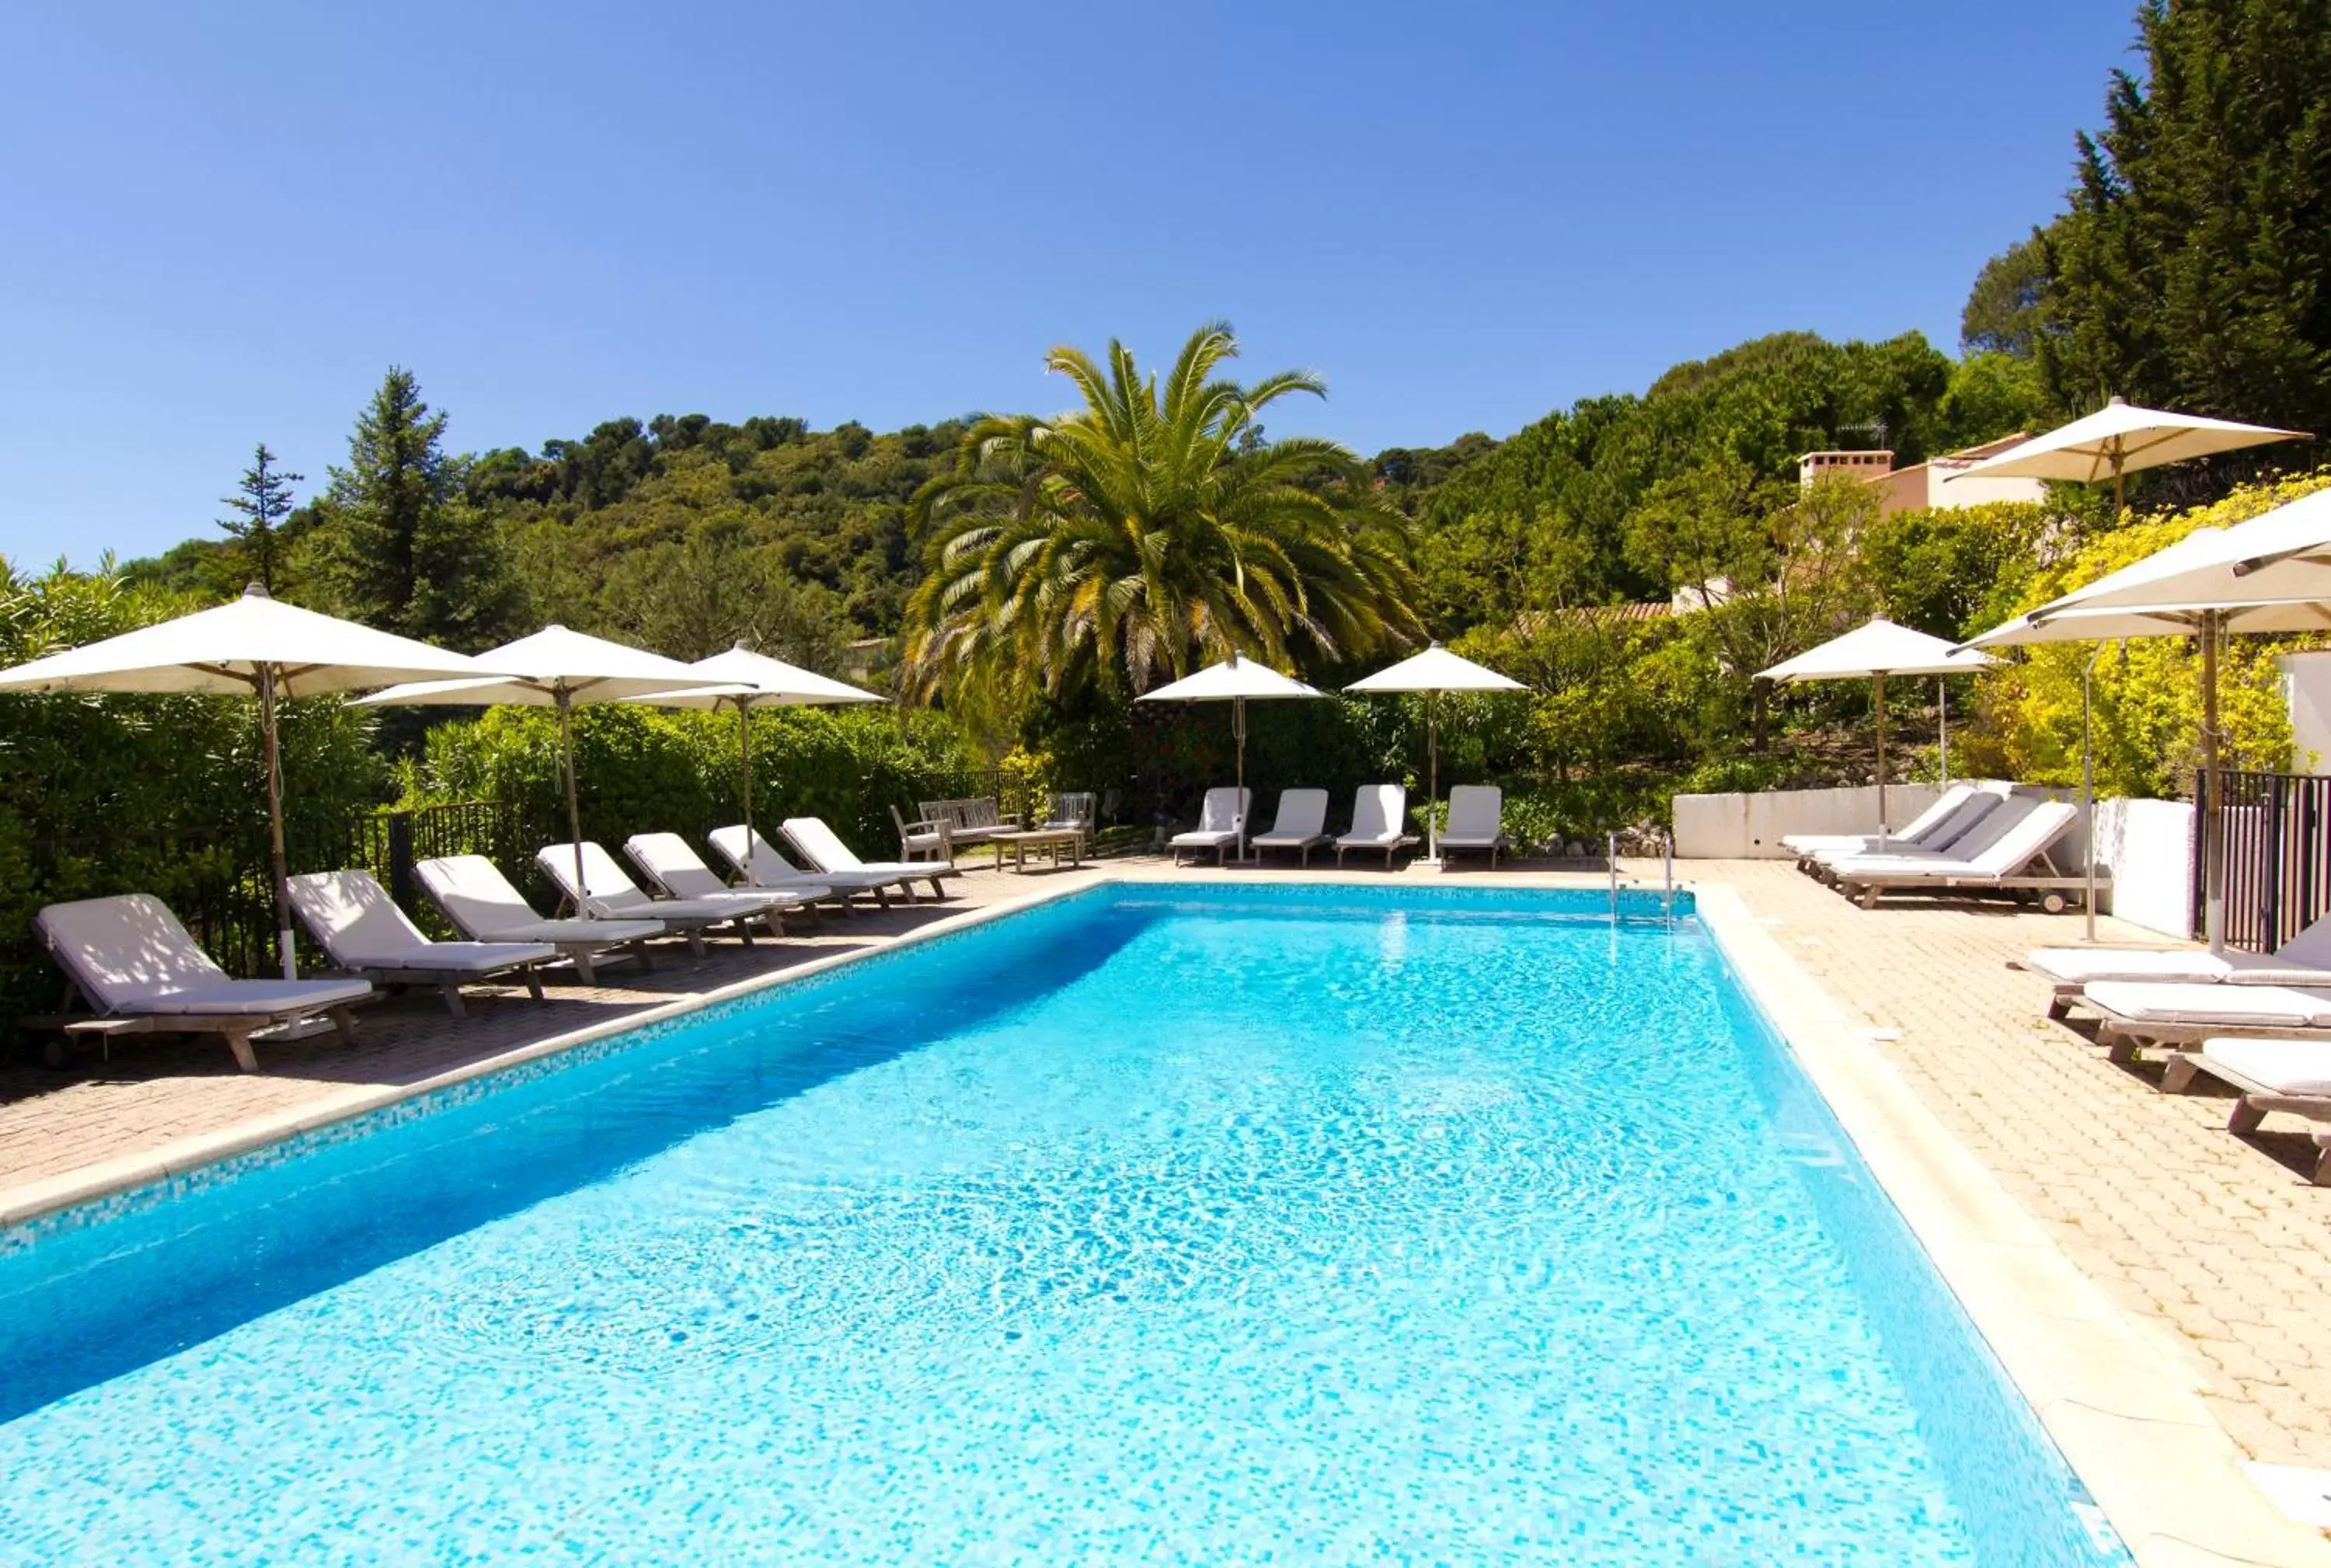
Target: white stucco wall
x,y
2149,846
1750,827
2306,693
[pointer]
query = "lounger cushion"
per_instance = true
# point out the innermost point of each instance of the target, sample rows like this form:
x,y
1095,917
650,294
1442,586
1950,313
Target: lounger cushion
x,y
2086,966
242,998
767,869
2300,1068
129,955
1476,818
477,898
361,928
1199,838
570,933
816,844
1302,821
2251,1006
614,896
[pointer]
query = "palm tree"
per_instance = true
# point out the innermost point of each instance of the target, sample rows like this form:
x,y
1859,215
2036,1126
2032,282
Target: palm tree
x,y
1148,533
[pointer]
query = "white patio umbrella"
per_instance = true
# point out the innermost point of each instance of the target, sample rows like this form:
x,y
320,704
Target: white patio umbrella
x,y
252,646
1237,680
744,679
554,668
1432,672
2117,440
1872,652
2269,575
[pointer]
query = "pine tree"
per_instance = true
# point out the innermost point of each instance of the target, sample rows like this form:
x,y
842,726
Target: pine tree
x,y
261,501
2193,268
401,548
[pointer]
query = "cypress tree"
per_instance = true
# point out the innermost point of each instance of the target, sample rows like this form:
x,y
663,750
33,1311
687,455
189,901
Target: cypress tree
x,y
401,547
2194,268
262,499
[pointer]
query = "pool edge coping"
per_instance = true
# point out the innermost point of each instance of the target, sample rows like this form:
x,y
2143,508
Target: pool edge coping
x,y
2120,1403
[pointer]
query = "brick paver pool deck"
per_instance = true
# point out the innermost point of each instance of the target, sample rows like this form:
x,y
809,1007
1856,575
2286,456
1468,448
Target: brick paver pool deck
x,y
2217,1242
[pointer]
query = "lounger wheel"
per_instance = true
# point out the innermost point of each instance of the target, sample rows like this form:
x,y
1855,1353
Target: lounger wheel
x,y
2054,903
55,1052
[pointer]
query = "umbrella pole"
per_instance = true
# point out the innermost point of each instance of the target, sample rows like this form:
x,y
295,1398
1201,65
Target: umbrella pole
x,y
1943,698
271,758
745,756
1433,777
573,809
1881,759
1238,734
2214,880
2088,787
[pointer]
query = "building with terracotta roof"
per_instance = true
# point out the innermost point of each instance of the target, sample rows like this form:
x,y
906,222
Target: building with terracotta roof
x,y
1938,483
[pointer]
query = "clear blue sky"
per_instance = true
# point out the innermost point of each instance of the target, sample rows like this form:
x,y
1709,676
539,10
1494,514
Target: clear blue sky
x,y
222,223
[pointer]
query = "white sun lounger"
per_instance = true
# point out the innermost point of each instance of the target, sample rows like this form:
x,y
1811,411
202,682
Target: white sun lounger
x,y
2304,960
1301,825
1475,821
139,972
1981,821
609,894
471,892
1222,824
756,863
1916,832
365,934
827,855
666,861
2137,1014
2004,865
1379,814
2292,1076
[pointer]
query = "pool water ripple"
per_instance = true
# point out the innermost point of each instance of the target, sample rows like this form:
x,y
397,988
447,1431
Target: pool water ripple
x,y
1236,1230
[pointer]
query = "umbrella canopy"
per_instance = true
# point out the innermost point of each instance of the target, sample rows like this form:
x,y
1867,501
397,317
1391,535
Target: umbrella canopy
x,y
252,646
1880,648
2271,574
2273,561
1432,672
1237,680
2119,439
1872,652
554,668
770,683
746,681
1437,669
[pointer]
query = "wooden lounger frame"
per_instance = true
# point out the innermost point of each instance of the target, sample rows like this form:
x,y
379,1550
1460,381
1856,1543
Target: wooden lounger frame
x,y
1306,845
1865,890
1390,849
449,982
75,1017
1503,841
2257,1102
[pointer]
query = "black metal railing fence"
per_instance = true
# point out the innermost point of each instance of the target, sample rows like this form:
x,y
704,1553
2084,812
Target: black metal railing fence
x,y
2276,830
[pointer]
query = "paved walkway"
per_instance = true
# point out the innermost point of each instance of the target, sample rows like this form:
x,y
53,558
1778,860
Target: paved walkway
x,y
2217,1241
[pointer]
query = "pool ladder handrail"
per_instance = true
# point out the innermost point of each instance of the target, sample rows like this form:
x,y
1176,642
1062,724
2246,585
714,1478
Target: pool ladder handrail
x,y
1667,873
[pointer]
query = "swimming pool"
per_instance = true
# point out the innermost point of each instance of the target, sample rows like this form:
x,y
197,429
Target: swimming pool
x,y
1183,1223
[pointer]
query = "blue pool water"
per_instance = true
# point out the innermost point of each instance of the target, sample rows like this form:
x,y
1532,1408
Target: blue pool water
x,y
1217,1226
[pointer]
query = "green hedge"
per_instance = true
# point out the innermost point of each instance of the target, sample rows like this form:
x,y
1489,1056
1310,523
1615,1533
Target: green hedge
x,y
640,769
